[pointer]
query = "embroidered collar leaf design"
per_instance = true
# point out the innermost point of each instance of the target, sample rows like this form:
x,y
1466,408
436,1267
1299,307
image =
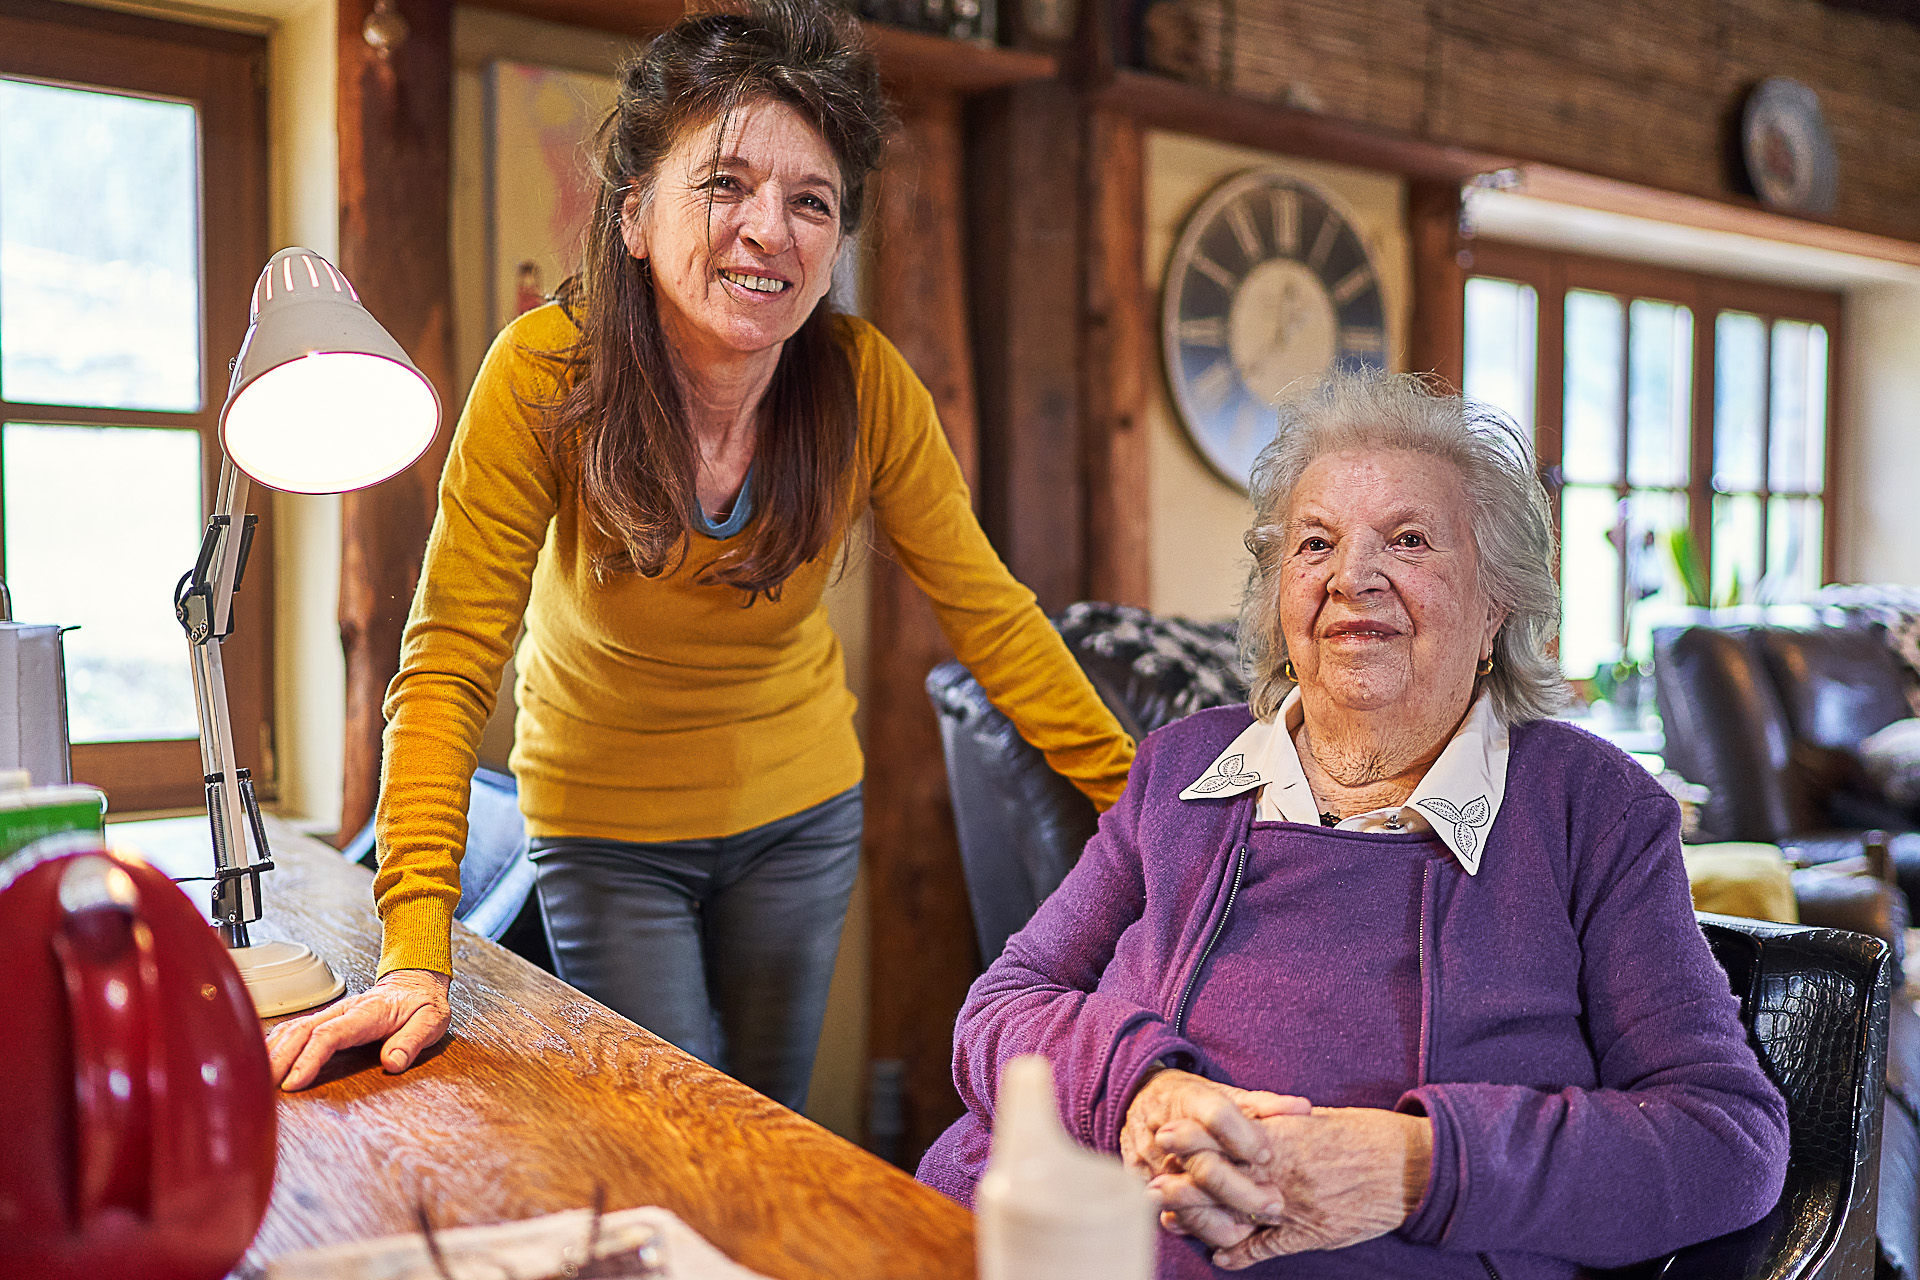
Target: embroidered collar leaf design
x,y
1227,771
1466,820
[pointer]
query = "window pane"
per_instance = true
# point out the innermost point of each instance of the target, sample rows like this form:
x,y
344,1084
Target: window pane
x,y
1591,444
1660,393
99,249
1739,392
1500,356
100,524
1736,547
1589,580
1796,536
1796,458
1660,598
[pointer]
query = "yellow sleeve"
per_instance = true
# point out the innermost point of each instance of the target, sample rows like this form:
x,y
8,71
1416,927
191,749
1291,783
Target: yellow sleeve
x,y
993,623
497,496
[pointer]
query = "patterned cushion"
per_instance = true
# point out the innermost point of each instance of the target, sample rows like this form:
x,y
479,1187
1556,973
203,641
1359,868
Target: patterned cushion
x,y
1893,607
1159,668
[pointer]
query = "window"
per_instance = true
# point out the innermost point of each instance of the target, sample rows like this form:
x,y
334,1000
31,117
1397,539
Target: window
x,y
132,223
1682,422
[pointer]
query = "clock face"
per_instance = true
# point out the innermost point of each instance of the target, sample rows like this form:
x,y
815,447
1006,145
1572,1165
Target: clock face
x,y
1269,283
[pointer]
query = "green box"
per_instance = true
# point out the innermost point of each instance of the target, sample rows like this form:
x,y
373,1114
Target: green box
x,y
28,814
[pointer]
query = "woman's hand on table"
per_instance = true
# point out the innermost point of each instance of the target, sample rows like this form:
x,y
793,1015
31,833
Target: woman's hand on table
x,y
407,1008
1339,1176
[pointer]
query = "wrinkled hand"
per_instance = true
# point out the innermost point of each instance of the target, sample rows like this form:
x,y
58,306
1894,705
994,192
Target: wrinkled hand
x,y
1179,1120
407,1008
1341,1175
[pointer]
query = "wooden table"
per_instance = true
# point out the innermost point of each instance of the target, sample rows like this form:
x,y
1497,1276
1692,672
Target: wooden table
x,y
538,1094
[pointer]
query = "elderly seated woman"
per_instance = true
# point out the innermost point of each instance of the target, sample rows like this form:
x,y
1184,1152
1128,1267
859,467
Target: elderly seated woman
x,y
1388,973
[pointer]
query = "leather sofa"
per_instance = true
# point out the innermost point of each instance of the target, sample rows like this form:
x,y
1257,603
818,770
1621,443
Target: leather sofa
x,y
1815,1000
1768,719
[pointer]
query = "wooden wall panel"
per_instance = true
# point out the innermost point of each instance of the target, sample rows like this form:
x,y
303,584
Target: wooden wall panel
x,y
1023,194
1118,365
922,949
1639,40
1437,341
395,143
1530,102
1646,91
1336,57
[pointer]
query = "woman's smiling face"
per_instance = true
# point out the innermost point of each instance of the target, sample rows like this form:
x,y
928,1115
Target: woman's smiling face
x,y
741,248
1380,596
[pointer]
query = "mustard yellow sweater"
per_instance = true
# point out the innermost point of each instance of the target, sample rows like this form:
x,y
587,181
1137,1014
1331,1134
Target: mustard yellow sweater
x,y
658,709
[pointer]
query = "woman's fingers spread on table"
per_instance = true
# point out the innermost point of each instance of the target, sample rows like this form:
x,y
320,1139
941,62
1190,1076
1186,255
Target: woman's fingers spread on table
x,y
408,1004
285,1042
426,1026
361,1018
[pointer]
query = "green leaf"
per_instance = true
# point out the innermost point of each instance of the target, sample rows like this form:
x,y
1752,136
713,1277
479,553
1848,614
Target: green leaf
x,y
1687,565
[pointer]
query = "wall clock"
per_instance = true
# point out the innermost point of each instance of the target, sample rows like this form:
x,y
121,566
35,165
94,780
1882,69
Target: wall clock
x,y
1269,282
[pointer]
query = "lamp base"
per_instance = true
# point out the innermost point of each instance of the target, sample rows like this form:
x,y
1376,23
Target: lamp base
x,y
285,977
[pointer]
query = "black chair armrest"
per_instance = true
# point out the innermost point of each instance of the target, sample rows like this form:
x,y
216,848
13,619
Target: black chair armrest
x,y
1816,1006
1021,825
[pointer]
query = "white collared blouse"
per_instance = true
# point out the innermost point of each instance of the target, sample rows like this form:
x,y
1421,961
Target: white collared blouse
x,y
1457,799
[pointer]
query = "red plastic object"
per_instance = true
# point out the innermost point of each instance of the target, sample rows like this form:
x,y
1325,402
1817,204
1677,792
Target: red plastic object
x,y
137,1124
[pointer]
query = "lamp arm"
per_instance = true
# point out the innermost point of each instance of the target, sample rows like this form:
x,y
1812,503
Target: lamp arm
x,y
204,604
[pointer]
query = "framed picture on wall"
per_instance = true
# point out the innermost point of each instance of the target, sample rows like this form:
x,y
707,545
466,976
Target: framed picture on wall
x,y
540,182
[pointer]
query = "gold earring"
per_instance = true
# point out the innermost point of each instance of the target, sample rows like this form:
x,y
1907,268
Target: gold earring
x,y
1485,667
1286,669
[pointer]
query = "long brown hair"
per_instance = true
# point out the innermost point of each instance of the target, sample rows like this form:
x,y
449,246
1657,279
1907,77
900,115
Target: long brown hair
x,y
620,422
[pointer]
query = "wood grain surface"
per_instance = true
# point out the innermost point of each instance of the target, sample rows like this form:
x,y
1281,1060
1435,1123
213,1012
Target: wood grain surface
x,y
395,130
922,931
538,1094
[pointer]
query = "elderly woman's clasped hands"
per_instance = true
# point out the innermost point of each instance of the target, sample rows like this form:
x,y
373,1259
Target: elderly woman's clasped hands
x,y
1255,1175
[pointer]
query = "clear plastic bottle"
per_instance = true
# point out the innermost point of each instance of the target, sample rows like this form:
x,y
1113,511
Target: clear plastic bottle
x,y
1048,1209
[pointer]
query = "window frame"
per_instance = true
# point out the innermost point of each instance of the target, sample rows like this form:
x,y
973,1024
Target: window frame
x,y
1553,272
223,75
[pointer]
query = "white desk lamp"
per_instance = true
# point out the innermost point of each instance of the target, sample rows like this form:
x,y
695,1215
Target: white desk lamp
x,y
323,400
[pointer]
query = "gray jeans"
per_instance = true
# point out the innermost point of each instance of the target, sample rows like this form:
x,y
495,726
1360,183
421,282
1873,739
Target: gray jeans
x,y
724,947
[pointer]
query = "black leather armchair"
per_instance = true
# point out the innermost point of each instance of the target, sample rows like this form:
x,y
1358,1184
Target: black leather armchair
x,y
1021,825
1767,719
1815,1001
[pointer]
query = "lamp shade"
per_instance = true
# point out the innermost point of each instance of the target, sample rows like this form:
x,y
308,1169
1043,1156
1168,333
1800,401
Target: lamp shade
x,y
323,400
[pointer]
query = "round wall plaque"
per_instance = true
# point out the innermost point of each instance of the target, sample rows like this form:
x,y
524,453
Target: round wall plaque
x,y
1789,153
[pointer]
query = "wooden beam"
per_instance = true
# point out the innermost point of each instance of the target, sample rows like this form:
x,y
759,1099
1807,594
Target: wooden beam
x,y
1437,343
1731,214
1159,102
922,949
395,143
1024,193
1116,360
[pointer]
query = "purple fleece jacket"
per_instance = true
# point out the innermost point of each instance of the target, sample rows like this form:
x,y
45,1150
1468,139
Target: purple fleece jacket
x,y
1593,1097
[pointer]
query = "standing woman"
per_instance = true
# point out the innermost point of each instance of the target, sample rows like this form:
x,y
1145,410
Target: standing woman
x,y
658,473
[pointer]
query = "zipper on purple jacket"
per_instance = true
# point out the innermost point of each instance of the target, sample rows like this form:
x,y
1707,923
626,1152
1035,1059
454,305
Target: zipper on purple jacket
x,y
1219,927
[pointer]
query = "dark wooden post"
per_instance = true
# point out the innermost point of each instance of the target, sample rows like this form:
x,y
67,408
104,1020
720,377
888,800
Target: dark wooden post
x,y
1437,344
922,951
395,143
1023,156
1116,361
